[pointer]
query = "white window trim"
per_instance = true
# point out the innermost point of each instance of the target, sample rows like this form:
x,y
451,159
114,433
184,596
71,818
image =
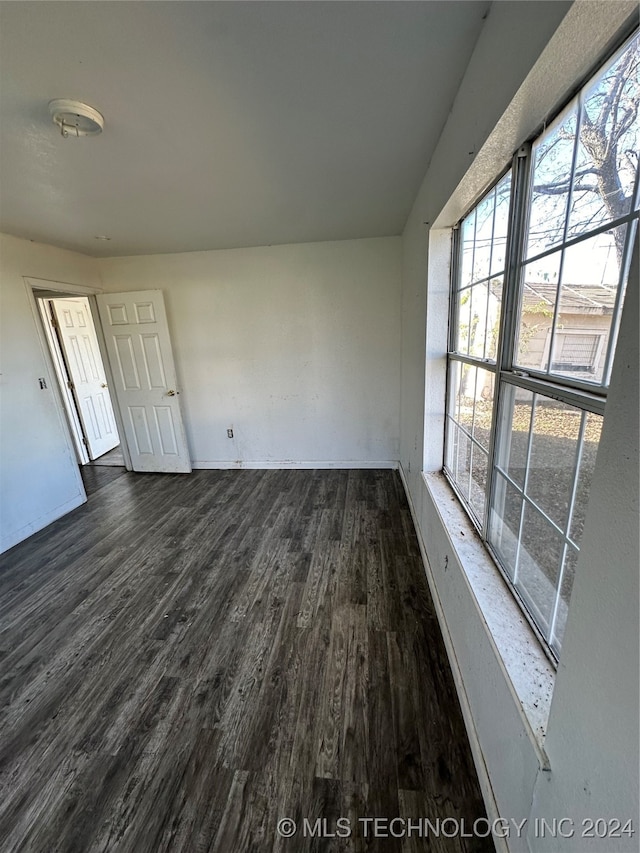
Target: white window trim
x,y
529,672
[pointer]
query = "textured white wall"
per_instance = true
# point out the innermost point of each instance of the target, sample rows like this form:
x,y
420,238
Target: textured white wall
x,y
297,348
39,479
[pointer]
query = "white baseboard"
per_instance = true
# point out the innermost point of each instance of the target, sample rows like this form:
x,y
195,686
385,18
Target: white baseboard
x,y
476,750
17,536
226,464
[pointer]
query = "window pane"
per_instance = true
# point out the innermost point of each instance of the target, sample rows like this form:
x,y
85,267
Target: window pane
x,y
471,394
515,425
501,221
465,379
504,523
591,439
483,406
539,294
570,560
553,157
608,143
590,277
466,258
470,414
493,317
552,463
481,325
451,446
479,462
483,237
462,462
464,322
538,566
453,384
479,317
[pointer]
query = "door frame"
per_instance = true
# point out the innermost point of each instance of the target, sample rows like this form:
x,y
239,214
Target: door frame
x,y
33,286
62,375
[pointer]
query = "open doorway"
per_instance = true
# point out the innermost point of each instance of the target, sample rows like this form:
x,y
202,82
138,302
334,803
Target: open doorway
x,y
132,355
72,339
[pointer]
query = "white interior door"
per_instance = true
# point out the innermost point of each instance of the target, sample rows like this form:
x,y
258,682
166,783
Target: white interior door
x,y
77,336
137,339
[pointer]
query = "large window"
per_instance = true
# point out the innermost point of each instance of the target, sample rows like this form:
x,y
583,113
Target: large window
x,y
539,275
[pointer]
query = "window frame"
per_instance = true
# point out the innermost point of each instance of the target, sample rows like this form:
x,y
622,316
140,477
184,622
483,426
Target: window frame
x,y
584,395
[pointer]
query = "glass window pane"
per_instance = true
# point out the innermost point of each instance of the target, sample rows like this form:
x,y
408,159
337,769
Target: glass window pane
x,y
501,221
538,567
483,238
453,385
452,446
553,157
552,463
479,462
504,523
493,317
464,322
608,143
570,561
479,319
466,257
465,390
590,277
486,299
515,425
483,406
462,463
539,293
591,439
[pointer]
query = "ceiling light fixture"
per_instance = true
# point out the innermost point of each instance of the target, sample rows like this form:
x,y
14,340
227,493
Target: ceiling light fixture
x,y
75,118
102,237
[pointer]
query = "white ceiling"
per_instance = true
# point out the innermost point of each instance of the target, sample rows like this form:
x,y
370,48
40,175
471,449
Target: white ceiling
x,y
227,124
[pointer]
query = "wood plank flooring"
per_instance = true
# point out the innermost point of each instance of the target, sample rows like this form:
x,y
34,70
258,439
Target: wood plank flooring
x,y
185,660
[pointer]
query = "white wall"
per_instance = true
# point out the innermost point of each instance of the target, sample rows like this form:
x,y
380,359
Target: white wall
x,y
297,348
39,479
528,57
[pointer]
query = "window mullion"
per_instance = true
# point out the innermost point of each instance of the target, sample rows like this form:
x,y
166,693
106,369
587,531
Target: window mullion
x,y
615,320
454,312
567,531
521,174
523,168
585,400
565,230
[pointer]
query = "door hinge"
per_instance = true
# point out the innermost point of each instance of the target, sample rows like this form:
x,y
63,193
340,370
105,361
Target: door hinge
x,y
70,385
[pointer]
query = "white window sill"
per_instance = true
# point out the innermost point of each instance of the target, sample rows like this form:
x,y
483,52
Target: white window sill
x,y
528,671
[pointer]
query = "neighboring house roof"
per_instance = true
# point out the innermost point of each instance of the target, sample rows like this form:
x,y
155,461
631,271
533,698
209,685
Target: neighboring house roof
x,y
576,298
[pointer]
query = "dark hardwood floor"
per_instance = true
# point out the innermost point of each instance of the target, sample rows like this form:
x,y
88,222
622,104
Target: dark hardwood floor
x,y
187,659
95,477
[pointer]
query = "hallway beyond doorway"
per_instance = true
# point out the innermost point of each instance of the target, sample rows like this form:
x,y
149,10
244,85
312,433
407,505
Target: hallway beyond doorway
x,y
113,458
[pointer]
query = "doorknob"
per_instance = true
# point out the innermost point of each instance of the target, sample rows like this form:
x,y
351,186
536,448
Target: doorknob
x,y
172,393
103,385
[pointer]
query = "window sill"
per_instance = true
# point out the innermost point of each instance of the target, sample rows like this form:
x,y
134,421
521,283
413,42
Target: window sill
x,y
528,671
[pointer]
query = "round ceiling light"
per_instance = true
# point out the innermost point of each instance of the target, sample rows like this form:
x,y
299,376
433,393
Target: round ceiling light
x,y
75,118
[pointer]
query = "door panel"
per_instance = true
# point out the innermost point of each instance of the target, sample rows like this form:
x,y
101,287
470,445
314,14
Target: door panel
x,y
77,337
137,339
